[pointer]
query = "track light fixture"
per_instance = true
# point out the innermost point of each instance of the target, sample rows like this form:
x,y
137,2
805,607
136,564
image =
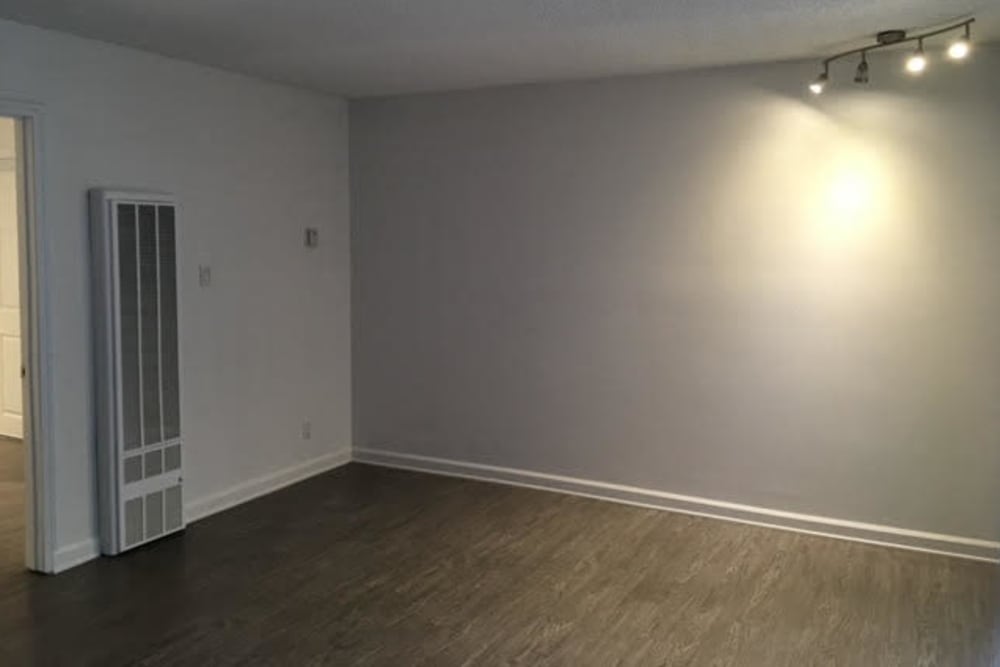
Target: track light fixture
x,y
961,47
861,76
819,83
916,62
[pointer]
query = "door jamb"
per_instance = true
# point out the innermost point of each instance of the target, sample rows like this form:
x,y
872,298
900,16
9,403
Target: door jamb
x,y
40,530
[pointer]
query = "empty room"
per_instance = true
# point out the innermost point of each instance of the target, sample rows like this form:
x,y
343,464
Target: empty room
x,y
456,332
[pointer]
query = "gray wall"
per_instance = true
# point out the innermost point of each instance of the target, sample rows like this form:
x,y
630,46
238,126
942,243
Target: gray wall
x,y
706,283
251,163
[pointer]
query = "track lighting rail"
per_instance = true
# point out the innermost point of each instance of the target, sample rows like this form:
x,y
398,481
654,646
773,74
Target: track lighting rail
x,y
903,38
915,64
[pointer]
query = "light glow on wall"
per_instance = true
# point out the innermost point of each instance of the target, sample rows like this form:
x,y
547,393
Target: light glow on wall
x,y
850,193
819,201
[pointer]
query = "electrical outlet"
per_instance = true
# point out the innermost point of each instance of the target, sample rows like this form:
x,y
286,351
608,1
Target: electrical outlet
x,y
307,430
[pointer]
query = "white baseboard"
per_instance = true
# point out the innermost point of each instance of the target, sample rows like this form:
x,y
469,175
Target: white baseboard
x,y
12,426
75,554
904,538
259,486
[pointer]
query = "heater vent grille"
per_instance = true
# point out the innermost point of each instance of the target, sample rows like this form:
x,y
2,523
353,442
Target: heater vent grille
x,y
138,362
153,515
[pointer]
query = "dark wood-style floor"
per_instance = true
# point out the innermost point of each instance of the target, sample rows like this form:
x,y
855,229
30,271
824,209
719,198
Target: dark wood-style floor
x,y
11,509
365,566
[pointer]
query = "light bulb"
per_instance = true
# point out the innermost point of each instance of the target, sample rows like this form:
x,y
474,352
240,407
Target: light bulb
x,y
818,84
959,49
916,63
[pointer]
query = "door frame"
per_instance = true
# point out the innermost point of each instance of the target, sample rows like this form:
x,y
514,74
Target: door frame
x,y
40,547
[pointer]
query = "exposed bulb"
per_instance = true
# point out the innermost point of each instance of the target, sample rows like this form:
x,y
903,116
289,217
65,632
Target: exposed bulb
x,y
959,50
916,63
817,86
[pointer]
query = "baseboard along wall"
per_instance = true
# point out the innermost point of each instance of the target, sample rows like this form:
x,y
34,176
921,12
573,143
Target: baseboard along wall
x,y
75,554
259,486
903,538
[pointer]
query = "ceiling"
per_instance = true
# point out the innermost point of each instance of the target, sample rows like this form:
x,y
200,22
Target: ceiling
x,y
373,47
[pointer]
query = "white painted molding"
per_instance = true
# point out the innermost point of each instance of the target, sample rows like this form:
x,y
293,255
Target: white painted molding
x,y
904,538
75,554
259,486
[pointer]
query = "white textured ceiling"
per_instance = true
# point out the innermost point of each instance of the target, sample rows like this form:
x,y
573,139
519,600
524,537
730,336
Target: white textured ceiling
x,y
364,47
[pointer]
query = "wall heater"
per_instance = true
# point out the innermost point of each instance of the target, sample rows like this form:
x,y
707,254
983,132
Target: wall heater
x,y
137,367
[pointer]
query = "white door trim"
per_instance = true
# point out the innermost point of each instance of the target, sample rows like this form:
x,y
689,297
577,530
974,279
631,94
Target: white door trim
x,y
35,341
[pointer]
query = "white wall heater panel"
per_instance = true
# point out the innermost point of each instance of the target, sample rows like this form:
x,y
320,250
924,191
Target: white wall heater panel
x,y
137,366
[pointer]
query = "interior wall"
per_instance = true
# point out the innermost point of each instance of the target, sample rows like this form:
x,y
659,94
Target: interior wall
x,y
267,345
706,283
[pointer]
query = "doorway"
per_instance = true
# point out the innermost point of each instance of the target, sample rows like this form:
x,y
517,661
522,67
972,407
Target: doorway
x,y
27,526
13,461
